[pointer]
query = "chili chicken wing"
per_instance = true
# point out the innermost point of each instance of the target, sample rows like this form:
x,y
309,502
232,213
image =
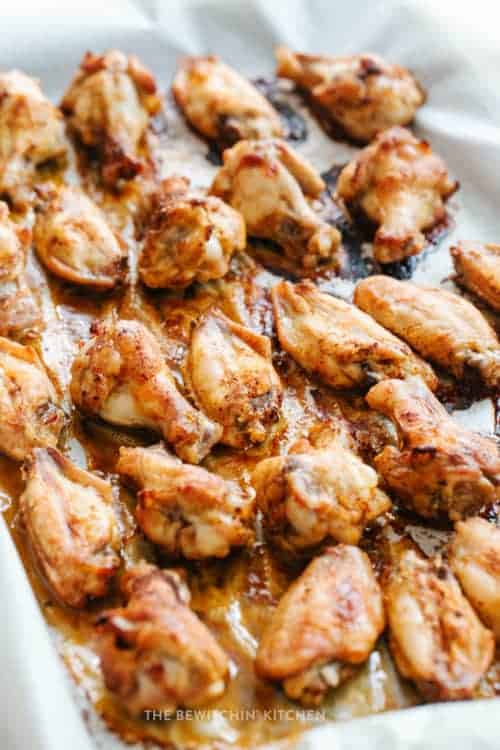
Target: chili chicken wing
x,y
478,269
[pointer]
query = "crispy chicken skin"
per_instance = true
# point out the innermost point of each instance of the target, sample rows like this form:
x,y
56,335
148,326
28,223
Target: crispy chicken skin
x,y
361,94
186,509
29,414
155,652
319,490
326,623
222,105
474,556
401,187
435,637
272,187
72,527
122,377
338,342
74,241
109,104
443,327
233,380
439,467
478,269
31,133
191,238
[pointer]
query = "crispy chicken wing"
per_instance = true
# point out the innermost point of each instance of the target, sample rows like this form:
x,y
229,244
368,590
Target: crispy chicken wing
x,y
272,187
233,380
122,377
360,94
326,623
109,104
155,652
440,466
186,509
435,637
29,414
336,341
440,325
72,527
478,269
221,104
75,242
191,238
400,186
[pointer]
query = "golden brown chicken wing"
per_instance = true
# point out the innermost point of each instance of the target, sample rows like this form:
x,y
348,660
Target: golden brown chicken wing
x,y
72,527
435,637
360,95
273,188
439,466
155,652
334,340
400,186
122,377
29,414
440,325
326,623
222,105
233,380
109,105
186,509
478,269
191,238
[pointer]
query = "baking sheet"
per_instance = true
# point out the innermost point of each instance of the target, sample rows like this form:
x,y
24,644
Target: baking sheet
x,y
457,58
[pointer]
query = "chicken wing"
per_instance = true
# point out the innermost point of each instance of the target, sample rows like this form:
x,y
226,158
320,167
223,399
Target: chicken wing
x,y
326,623
155,652
29,414
440,467
191,238
401,187
440,325
478,269
336,341
222,105
435,637
109,105
122,377
186,509
72,527
360,94
273,187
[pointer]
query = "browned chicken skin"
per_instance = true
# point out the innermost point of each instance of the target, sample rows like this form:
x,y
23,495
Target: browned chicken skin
x,y
335,340
71,524
401,186
155,652
122,377
222,105
440,466
273,187
361,94
326,623
478,269
440,325
186,509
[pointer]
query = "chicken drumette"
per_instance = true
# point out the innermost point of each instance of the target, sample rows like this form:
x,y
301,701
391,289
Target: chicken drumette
x,y
478,269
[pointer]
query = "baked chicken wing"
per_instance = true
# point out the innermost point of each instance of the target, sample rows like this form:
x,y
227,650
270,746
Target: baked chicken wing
x,y
72,527
273,188
478,269
122,377
155,652
361,95
338,342
400,186
326,623
443,327
186,509
439,467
